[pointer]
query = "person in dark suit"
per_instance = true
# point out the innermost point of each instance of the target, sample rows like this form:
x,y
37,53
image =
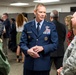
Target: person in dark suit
x,y
12,41
6,23
38,39
57,56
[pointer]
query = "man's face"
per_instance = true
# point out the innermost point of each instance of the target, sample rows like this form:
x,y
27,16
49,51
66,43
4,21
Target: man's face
x,y
51,19
74,20
74,31
4,17
74,23
40,13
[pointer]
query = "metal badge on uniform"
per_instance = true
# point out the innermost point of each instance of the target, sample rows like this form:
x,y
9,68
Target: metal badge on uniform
x,y
29,37
45,38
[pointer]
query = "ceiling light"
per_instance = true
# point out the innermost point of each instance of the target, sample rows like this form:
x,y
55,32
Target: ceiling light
x,y
45,1
19,4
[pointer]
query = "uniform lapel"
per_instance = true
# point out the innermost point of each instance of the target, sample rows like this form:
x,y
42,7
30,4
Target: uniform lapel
x,y
33,27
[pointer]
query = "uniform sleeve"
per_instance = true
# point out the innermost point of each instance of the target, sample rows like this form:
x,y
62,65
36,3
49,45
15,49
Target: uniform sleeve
x,y
69,67
23,41
54,41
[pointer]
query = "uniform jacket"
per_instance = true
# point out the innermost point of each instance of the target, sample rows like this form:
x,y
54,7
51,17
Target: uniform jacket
x,y
69,61
61,31
1,28
47,38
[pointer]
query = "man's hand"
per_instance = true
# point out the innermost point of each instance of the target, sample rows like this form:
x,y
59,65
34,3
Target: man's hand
x,y
32,53
59,70
37,48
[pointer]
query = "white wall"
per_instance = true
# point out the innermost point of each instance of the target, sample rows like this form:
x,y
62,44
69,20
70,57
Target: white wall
x,y
60,8
11,10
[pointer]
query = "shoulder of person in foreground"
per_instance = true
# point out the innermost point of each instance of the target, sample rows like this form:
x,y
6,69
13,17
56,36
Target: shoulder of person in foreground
x,y
69,66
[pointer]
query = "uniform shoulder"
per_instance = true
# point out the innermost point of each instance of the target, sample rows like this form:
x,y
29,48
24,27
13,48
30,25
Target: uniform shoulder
x,y
50,23
29,23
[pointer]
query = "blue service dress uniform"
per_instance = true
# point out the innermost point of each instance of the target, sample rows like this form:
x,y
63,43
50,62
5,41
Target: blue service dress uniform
x,y
47,38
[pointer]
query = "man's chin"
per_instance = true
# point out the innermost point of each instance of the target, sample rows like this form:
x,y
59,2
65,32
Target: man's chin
x,y
41,19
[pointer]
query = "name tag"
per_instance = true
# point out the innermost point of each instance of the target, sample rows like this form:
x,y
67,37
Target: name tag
x,y
29,31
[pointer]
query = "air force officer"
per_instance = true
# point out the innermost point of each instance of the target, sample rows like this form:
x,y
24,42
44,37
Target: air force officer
x,y
38,39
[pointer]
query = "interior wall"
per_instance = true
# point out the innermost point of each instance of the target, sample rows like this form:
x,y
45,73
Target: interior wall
x,y
60,8
62,15
11,10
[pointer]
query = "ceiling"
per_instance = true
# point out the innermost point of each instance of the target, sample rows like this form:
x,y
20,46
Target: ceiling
x,y
31,3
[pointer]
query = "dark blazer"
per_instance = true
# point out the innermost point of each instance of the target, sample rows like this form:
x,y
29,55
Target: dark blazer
x,y
12,42
47,38
61,31
13,32
6,23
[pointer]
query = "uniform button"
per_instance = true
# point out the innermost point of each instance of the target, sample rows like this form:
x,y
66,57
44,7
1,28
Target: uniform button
x,y
36,39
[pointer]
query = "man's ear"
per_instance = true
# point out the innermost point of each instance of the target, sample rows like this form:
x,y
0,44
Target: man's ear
x,y
51,18
34,12
45,16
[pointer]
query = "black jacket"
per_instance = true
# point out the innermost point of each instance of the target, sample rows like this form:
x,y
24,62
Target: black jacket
x,y
61,31
6,23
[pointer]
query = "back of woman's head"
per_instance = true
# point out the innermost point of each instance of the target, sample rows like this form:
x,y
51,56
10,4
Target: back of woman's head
x,y
13,20
25,18
20,20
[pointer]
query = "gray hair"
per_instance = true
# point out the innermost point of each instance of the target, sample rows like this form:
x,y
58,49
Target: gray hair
x,y
39,4
54,14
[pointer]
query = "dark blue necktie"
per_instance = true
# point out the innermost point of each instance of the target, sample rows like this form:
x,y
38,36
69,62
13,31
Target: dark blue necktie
x,y
38,27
